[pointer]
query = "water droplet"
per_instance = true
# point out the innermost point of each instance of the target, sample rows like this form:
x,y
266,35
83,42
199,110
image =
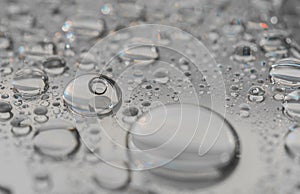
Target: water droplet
x,y
91,94
87,61
256,94
30,82
165,137
244,110
140,54
286,72
38,51
161,75
84,27
292,143
40,110
21,126
273,40
245,51
291,105
130,114
54,65
111,177
66,138
5,111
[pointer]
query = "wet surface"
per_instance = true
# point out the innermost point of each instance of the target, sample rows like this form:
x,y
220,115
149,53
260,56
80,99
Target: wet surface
x,y
149,97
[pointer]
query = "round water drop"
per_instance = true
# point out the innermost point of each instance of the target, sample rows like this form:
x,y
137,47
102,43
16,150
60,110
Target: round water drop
x,y
86,61
5,111
286,72
65,135
273,40
30,82
291,105
93,94
256,94
112,177
292,143
187,142
54,65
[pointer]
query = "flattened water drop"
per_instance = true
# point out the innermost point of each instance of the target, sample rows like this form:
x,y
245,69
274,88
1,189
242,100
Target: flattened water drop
x,y
286,72
173,138
30,82
93,94
245,51
65,135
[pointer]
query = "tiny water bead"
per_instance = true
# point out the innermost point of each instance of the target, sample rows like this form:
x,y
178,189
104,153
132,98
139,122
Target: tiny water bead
x,y
54,65
5,111
256,94
286,72
66,138
292,144
130,114
93,94
291,105
173,138
30,82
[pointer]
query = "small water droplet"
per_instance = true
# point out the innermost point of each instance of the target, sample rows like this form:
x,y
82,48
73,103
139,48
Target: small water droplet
x,y
286,72
256,94
54,65
30,82
91,94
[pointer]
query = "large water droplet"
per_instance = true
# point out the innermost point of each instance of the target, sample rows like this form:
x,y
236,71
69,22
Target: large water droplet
x,y
291,105
30,82
286,72
188,141
65,135
91,94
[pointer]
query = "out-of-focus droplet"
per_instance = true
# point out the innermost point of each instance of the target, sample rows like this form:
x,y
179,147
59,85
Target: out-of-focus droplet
x,y
66,138
245,51
291,105
54,65
165,137
292,143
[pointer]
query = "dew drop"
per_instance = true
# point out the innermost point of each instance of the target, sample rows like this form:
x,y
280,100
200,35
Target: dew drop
x,y
245,51
5,111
